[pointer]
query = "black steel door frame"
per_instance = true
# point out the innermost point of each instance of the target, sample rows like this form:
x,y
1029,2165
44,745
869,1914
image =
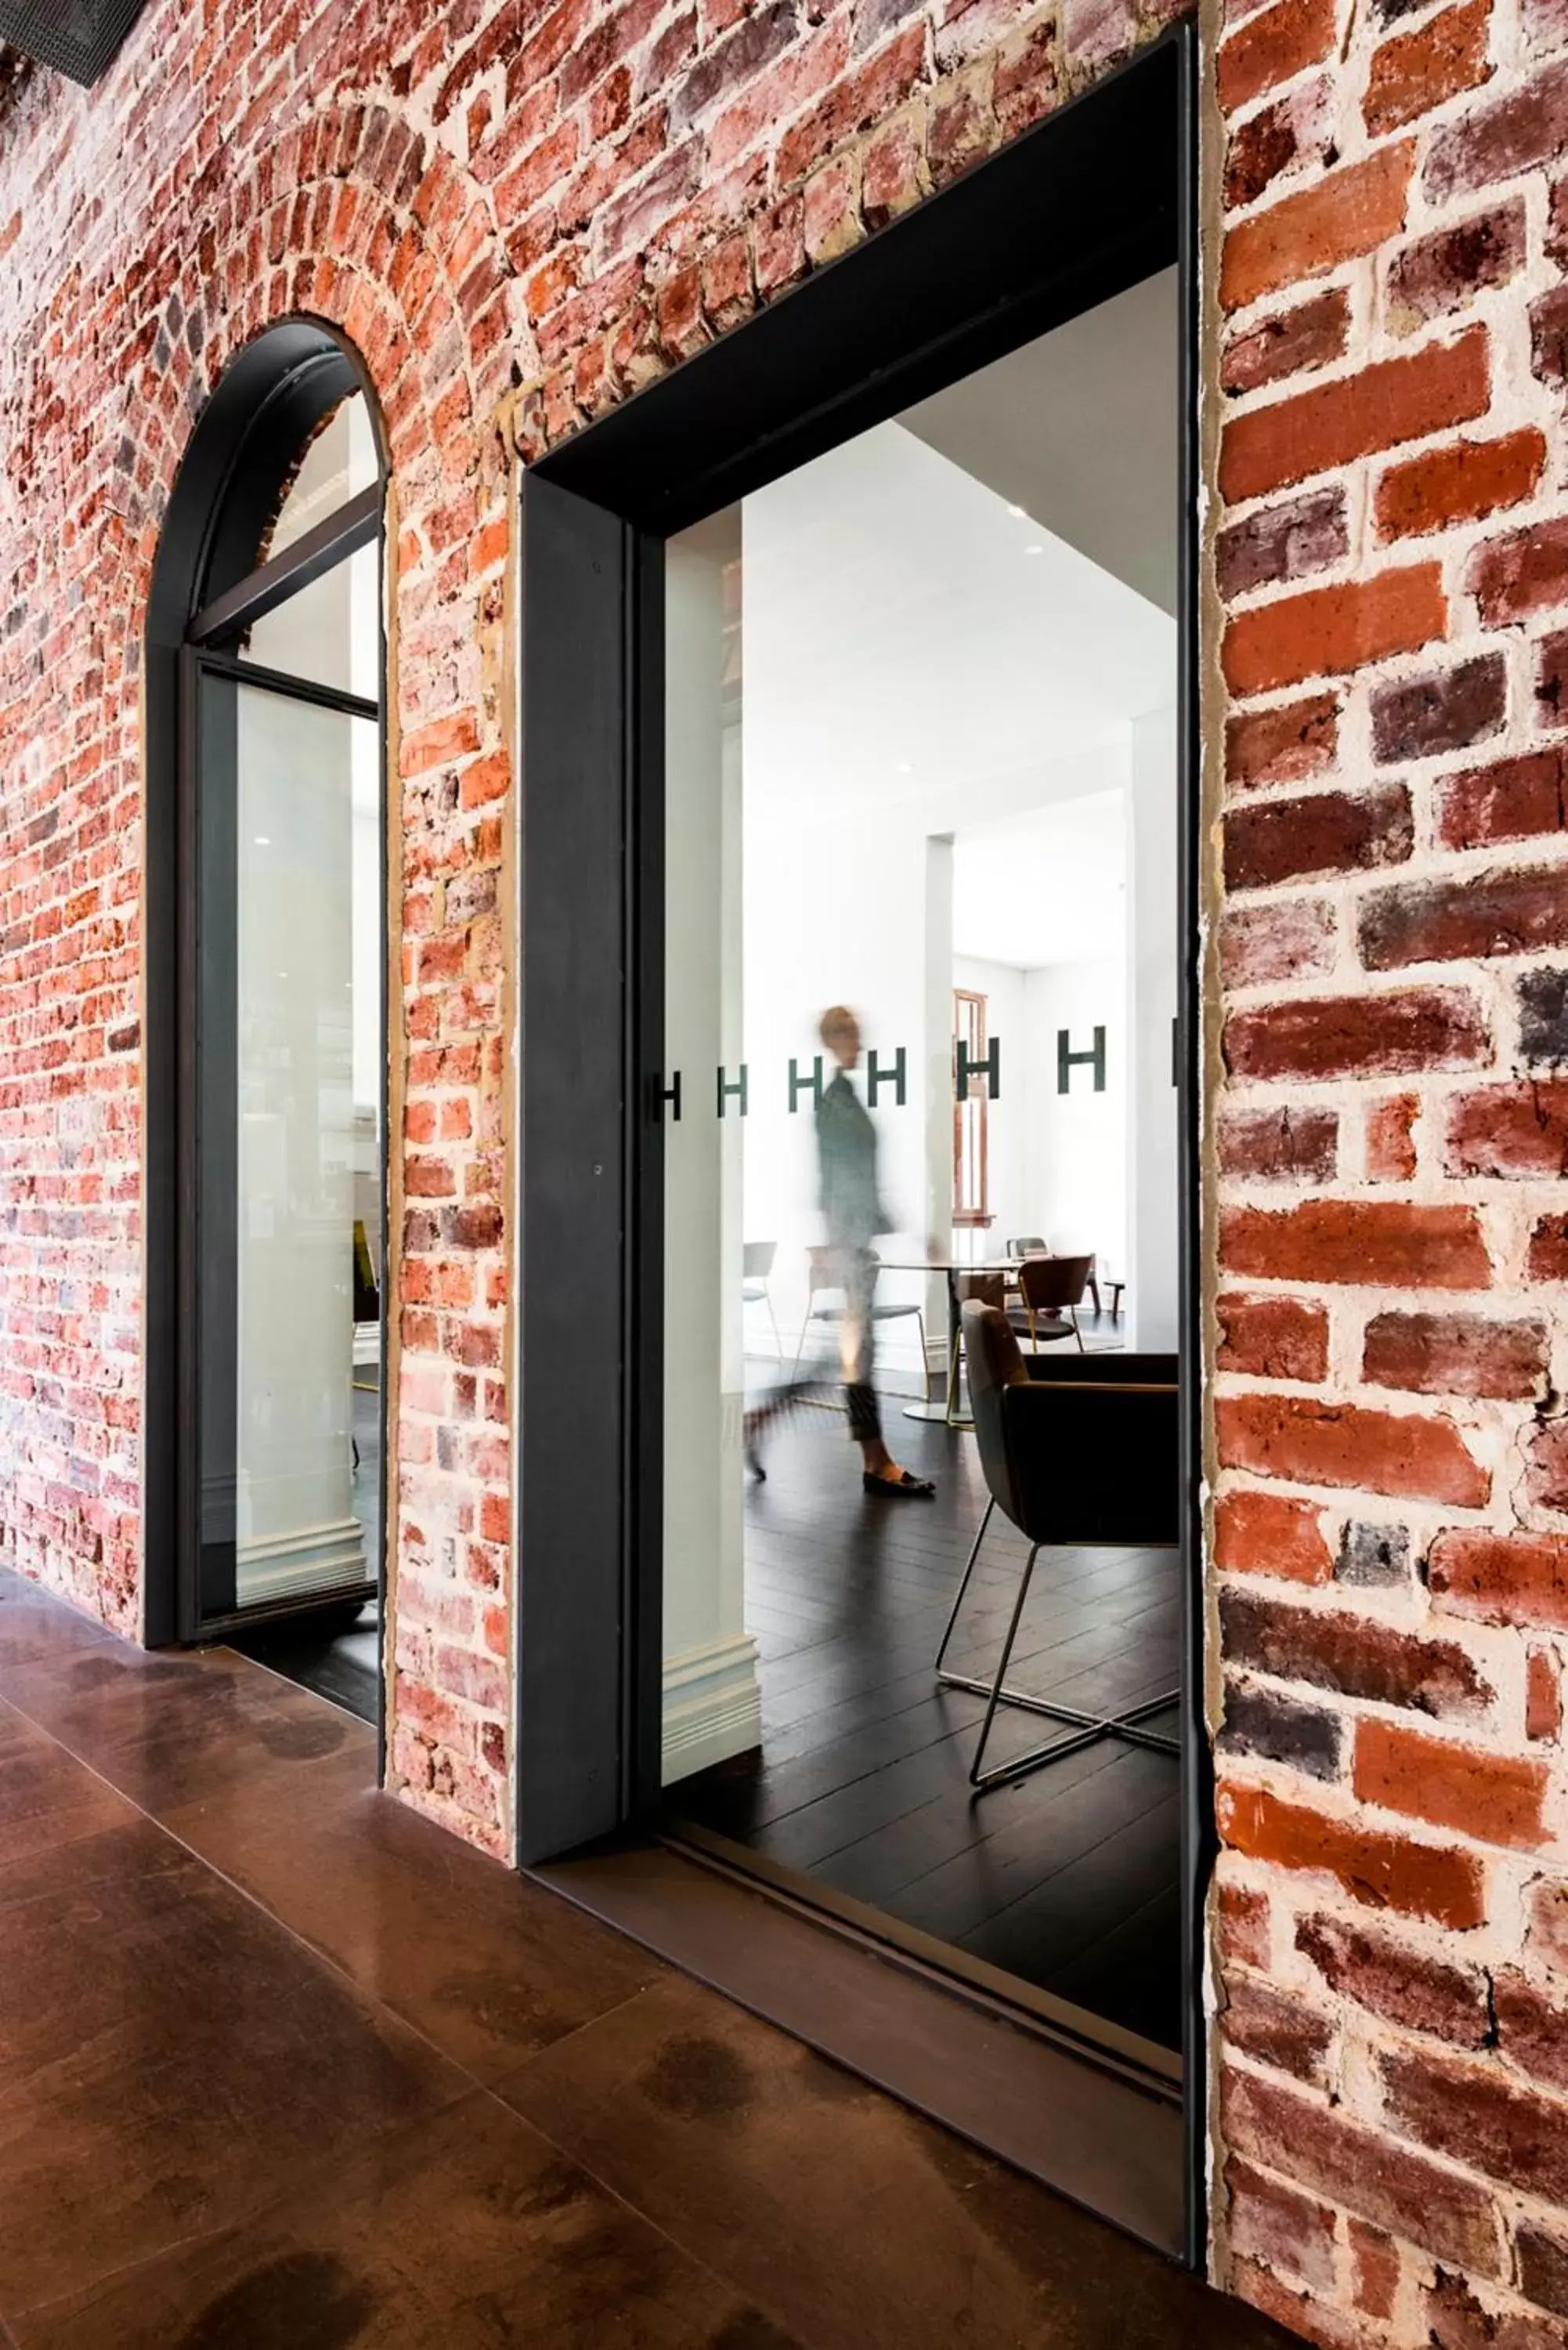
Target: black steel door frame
x,y
1087,203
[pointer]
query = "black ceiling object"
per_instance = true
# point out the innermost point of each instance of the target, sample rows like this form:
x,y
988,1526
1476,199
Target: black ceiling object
x,y
79,37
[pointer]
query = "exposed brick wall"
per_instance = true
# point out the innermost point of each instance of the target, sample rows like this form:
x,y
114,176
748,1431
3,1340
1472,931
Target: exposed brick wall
x,y
519,213
1390,1460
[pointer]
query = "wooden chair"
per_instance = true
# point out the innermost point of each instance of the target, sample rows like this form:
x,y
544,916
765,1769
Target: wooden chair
x,y
1051,1286
1073,1452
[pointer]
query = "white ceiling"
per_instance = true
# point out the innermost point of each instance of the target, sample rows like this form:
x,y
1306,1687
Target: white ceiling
x,y
1080,428
911,642
1042,889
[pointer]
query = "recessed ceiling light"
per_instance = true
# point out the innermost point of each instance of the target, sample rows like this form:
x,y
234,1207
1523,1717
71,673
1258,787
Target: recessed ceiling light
x,y
1019,513
904,768
1036,546
262,840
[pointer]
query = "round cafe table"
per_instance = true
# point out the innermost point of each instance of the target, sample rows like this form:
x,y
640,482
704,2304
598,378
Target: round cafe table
x,y
953,1266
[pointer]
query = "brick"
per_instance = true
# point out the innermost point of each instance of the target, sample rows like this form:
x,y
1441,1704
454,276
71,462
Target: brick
x,y
1455,2318
1390,1139
1501,1579
1317,833
1391,1978
1374,2268
1374,1556
1543,1696
1350,212
1332,631
1272,1338
1306,2316
1271,1533
1280,1145
1435,275
1293,131
1382,1034
1314,1443
1485,915
1284,542
1542,2267
1359,1655
1547,1940
1260,945
1525,571
1552,679
1418,71
1513,799
1243,1924
1269,2222
1543,1000
1355,416
1293,745
1313,335
1477,2116
1446,710
1272,47
1549,337
1382,1871
1455,1354
1463,483
1516,1131
1279,1729
1384,1243
1546,1464
1275,2028
1524,126
1493,1798
1548,1256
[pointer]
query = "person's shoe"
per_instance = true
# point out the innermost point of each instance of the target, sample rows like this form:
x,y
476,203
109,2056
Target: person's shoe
x,y
901,1488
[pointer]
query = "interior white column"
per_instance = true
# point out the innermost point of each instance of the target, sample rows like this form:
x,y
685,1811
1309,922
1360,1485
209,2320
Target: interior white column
x,y
1153,1217
713,1703
939,1059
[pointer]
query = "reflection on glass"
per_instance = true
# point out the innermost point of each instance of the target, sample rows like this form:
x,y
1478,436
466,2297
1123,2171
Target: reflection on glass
x,y
338,463
290,1083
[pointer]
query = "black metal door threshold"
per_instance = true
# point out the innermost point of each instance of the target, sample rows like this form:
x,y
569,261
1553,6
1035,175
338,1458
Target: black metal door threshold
x,y
1092,2113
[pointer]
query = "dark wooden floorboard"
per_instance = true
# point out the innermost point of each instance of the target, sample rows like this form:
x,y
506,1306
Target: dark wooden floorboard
x,y
1067,1879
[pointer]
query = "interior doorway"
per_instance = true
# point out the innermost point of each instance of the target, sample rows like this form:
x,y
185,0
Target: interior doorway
x,y
921,767
814,644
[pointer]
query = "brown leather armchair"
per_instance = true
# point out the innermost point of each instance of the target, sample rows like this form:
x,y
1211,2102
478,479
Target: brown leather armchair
x,y
1075,1449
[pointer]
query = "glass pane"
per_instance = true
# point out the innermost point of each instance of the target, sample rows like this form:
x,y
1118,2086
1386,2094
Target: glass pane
x,y
328,633
338,463
921,971
289,1118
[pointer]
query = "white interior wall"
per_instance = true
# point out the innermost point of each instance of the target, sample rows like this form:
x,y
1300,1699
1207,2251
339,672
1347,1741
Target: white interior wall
x,y
1077,1164
1153,980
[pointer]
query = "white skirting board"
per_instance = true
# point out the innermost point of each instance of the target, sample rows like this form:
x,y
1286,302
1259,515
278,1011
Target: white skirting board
x,y
712,1705
310,1558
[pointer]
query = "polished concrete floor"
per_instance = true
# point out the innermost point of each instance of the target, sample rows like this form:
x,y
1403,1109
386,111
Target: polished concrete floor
x,y
283,2066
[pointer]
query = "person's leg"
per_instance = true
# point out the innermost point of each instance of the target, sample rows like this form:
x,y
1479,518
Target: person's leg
x,y
859,1390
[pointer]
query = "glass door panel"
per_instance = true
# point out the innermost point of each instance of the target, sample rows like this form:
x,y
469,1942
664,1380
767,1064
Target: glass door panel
x,y
288,1110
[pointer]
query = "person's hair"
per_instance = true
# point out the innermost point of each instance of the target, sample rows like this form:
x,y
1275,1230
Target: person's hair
x,y
835,1021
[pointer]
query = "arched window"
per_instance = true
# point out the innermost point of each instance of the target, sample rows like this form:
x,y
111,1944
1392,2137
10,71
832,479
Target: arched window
x,y
266,1030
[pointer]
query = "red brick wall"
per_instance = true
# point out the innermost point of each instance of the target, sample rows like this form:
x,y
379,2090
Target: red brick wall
x,y
518,212
1389,1454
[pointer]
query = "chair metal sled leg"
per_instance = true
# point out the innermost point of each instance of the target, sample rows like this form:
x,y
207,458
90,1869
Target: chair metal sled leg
x,y
1089,1727
1119,1409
